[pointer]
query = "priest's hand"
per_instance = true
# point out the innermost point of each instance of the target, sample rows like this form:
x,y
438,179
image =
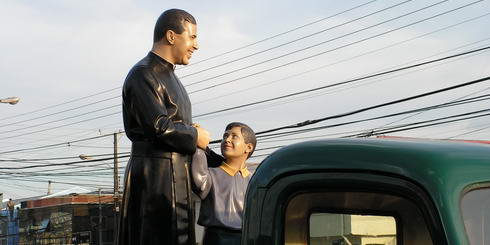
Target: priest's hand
x,y
203,137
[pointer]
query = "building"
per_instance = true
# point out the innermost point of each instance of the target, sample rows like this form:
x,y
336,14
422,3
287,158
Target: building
x,y
68,219
9,228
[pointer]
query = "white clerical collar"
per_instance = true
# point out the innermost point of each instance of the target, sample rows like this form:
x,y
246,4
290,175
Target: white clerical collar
x,y
173,66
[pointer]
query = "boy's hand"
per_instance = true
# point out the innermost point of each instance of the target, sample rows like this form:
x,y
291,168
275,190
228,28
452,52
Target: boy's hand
x,y
203,138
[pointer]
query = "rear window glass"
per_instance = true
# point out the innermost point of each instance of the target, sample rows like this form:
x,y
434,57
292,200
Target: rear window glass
x,y
340,229
475,207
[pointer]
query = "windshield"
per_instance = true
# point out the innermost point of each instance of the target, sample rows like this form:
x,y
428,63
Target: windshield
x,y
475,208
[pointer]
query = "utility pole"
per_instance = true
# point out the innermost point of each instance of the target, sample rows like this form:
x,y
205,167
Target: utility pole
x,y
100,219
116,188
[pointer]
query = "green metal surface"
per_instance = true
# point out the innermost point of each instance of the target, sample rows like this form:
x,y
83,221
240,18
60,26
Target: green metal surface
x,y
444,169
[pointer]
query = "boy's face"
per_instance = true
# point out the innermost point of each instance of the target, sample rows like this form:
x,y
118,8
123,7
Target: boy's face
x,y
233,144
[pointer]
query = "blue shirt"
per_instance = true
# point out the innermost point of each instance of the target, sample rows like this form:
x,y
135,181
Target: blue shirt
x,y
222,191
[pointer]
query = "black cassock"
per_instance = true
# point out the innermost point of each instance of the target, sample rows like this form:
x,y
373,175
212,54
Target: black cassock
x,y
157,206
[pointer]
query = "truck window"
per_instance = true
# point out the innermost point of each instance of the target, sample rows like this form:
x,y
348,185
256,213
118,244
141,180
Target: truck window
x,y
332,228
354,218
475,208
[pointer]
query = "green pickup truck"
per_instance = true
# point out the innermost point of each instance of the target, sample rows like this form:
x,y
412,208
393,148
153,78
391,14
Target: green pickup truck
x,y
371,192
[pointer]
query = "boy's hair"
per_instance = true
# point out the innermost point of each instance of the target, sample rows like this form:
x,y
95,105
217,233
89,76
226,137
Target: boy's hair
x,y
247,132
172,19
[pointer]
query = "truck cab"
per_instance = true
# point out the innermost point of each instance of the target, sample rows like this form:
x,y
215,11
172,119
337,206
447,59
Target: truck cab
x,y
371,192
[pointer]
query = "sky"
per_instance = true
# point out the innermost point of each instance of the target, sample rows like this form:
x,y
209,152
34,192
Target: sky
x,y
67,61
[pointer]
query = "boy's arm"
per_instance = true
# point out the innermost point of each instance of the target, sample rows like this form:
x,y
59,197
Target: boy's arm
x,y
200,174
214,160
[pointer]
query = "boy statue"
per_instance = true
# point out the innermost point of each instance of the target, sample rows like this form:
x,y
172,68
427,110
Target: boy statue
x,y
222,189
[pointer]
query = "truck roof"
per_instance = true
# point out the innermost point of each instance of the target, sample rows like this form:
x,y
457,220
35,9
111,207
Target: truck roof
x,y
436,165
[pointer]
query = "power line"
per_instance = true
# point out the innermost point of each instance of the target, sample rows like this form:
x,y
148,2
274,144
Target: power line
x,y
59,112
310,122
53,171
58,144
68,144
423,111
72,135
114,97
82,182
469,132
315,45
52,151
62,119
194,63
60,182
53,158
465,21
401,127
292,41
410,124
267,140
54,179
439,106
87,172
200,115
22,187
64,103
394,129
351,58
330,50
342,83
92,167
98,147
444,105
280,34
307,97
64,125
71,168
62,164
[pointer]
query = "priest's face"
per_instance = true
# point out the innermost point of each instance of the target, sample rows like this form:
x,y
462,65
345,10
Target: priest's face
x,y
185,44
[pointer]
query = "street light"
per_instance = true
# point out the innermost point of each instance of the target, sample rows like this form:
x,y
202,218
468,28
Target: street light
x,y
85,157
10,100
